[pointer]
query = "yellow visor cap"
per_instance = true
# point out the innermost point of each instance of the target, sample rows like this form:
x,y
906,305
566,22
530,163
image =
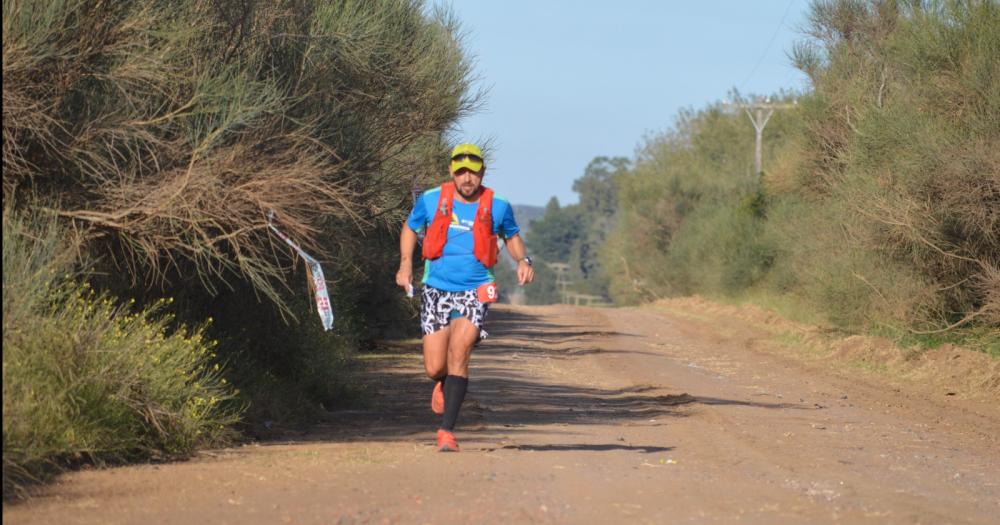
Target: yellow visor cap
x,y
466,149
465,152
473,165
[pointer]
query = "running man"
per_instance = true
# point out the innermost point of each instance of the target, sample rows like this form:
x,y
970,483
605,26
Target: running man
x,y
462,220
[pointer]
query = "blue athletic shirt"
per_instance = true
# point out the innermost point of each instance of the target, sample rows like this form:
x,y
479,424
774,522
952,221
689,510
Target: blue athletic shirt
x,y
458,270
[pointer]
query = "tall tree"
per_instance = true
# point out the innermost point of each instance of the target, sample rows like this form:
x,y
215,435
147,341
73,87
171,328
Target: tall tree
x,y
572,234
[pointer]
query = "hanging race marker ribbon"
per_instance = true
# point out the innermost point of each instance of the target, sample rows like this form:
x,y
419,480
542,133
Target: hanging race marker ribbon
x,y
416,191
315,272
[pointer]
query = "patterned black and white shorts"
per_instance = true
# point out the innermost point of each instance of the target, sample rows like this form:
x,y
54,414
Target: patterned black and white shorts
x,y
436,307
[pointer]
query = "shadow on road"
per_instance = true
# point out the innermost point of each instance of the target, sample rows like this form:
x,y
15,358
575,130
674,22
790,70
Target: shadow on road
x,y
595,448
504,397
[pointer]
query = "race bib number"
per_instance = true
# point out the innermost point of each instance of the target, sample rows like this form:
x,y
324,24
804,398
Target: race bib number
x,y
488,293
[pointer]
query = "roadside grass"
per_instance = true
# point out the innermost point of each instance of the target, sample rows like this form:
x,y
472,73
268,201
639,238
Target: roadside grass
x,y
87,379
786,305
801,343
970,368
983,339
868,366
687,314
980,338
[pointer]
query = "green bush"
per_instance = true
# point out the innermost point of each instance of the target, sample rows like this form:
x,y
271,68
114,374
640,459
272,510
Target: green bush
x,y
165,133
691,212
901,143
718,250
86,378
879,206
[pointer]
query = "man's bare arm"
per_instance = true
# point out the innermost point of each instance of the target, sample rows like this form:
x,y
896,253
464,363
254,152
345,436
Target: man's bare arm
x,y
407,242
525,273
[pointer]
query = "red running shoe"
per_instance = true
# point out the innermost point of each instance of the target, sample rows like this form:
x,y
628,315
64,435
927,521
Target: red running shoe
x,y
446,441
437,398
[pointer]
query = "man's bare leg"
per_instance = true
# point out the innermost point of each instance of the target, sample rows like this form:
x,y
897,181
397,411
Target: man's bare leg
x,y
436,353
447,351
461,340
436,365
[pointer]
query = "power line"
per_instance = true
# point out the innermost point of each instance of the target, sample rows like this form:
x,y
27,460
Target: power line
x,y
769,44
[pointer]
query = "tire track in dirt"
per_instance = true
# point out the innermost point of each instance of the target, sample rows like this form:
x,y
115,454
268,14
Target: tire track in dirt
x,y
857,450
580,415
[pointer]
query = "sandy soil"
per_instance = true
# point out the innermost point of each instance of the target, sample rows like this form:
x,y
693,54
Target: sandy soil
x,y
667,414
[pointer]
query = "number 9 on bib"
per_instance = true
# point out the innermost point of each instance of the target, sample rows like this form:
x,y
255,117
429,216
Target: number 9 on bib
x,y
488,293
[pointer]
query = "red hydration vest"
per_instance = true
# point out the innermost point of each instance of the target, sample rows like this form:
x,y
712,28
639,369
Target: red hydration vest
x,y
484,241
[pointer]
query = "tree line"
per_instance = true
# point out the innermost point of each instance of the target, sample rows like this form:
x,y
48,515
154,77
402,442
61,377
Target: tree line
x,y
878,207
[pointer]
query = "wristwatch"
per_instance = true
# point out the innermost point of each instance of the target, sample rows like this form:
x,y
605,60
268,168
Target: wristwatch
x,y
527,260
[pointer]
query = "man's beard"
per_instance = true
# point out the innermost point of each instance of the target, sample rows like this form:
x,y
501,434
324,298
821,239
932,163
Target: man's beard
x,y
470,195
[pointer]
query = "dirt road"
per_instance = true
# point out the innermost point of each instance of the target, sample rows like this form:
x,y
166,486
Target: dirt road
x,y
582,415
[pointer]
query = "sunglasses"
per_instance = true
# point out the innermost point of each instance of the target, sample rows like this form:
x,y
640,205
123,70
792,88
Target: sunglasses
x,y
467,156
463,171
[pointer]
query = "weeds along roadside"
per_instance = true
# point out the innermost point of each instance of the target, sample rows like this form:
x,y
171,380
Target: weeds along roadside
x,y
161,135
88,378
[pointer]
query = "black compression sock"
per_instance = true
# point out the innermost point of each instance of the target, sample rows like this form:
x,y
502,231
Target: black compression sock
x,y
454,394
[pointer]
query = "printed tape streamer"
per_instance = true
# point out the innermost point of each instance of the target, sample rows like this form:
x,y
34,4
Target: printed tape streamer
x,y
416,191
315,272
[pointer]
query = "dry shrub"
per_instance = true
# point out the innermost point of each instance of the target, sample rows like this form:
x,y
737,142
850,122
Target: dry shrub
x,y
902,132
988,283
212,212
167,132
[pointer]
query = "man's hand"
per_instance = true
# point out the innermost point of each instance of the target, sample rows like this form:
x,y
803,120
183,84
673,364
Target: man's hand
x,y
404,277
407,242
525,273
515,247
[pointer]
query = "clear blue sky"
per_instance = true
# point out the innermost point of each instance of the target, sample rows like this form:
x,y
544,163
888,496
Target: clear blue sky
x,y
569,81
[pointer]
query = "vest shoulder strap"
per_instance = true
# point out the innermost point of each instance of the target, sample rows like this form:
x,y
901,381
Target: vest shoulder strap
x,y
445,199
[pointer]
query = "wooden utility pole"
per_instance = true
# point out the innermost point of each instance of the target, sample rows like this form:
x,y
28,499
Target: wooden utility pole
x,y
561,281
762,111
